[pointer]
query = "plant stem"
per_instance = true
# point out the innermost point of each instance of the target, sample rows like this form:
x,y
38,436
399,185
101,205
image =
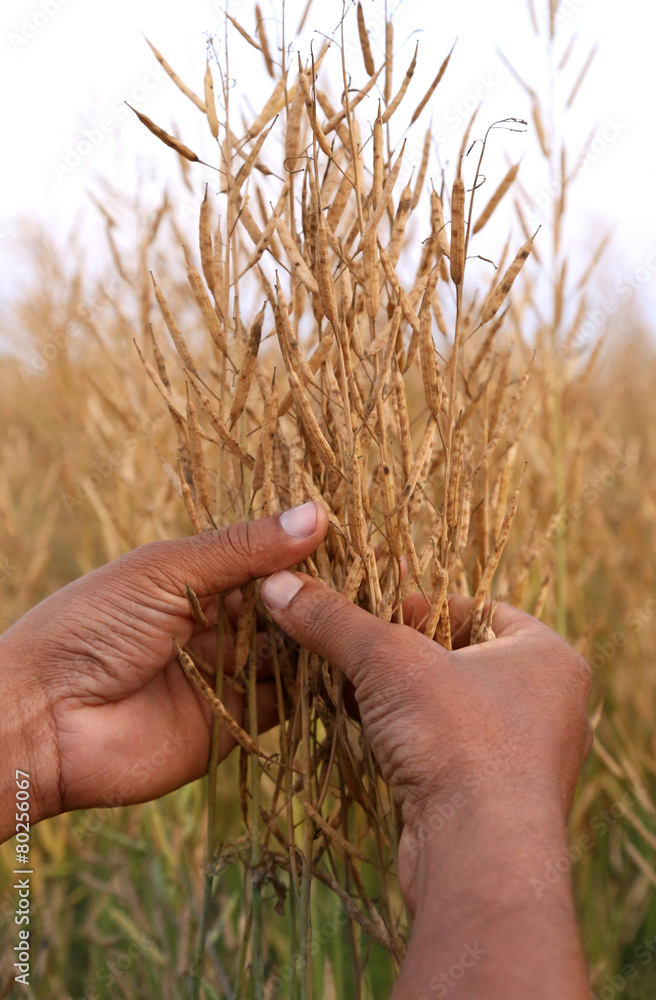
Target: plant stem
x,y
256,891
308,836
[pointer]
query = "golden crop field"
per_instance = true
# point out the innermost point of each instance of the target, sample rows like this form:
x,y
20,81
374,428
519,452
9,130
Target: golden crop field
x,y
406,346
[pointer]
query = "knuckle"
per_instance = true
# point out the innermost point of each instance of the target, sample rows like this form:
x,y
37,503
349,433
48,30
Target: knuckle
x,y
324,615
238,541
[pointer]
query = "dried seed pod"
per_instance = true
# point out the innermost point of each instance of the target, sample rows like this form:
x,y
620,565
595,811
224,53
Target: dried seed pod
x,y
457,248
431,90
439,225
244,34
205,243
312,433
263,470
429,367
188,498
372,283
399,225
247,368
504,479
245,625
335,405
414,569
493,561
314,363
503,187
245,169
464,517
218,425
403,421
296,472
210,107
383,371
443,632
264,42
176,79
402,298
372,578
400,94
299,267
197,460
212,322
424,450
172,327
369,235
354,578
455,474
389,59
273,106
218,708
169,140
356,519
390,516
293,130
318,132
324,275
379,160
364,42
500,292
421,173
288,342
439,583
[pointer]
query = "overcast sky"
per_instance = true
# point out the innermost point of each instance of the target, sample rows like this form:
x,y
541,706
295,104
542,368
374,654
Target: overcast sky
x,y
67,67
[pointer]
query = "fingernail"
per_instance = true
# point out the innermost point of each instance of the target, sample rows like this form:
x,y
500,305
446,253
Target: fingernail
x,y
300,522
278,590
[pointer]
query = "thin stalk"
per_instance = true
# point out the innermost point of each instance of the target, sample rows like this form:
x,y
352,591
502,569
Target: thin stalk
x,y
308,838
256,823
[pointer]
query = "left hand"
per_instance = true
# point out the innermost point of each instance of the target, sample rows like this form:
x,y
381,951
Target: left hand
x,y
102,711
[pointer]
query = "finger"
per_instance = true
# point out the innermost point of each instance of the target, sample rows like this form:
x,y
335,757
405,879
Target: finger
x,y
220,560
324,622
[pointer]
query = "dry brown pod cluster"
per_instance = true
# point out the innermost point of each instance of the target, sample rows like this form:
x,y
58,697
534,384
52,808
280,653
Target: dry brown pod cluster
x,y
334,375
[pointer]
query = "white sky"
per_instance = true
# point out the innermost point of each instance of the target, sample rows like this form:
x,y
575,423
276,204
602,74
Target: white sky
x,y
66,67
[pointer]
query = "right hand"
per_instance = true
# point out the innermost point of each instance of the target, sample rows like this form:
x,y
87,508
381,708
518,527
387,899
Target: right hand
x,y
435,718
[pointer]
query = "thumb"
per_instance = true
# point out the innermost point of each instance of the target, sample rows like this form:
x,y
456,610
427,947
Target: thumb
x,y
325,622
217,561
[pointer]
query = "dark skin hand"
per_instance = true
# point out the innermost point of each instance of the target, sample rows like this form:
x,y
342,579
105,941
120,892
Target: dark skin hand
x,y
482,746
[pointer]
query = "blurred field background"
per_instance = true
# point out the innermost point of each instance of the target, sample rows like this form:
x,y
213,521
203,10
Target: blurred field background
x,y
84,437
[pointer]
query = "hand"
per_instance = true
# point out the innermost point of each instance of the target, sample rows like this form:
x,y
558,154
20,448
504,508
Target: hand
x,y
100,711
439,721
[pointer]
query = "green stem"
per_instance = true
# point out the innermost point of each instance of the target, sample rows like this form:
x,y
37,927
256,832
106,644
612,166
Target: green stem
x,y
308,838
256,892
